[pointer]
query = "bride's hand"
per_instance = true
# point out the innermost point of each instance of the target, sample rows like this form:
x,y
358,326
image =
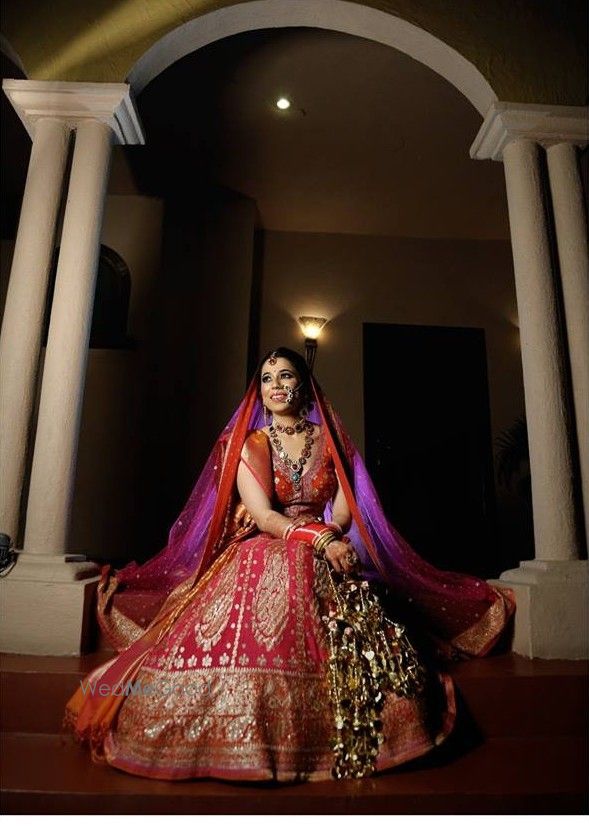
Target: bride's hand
x,y
340,554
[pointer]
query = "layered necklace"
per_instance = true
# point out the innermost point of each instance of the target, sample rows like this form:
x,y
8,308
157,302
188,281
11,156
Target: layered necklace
x,y
295,466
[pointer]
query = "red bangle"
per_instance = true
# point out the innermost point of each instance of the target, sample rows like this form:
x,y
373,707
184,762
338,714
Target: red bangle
x,y
295,523
314,533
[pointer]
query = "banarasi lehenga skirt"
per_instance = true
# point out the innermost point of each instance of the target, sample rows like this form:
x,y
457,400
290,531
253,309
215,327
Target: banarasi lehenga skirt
x,y
240,688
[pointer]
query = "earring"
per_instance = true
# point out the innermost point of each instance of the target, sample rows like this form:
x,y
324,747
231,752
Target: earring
x,y
266,418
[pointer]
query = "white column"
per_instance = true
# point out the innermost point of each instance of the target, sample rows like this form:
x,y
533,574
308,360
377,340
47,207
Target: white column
x,y
552,590
60,406
20,340
571,232
542,357
47,597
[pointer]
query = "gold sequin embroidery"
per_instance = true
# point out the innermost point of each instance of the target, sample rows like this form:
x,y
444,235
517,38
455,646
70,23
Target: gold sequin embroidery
x,y
270,609
216,606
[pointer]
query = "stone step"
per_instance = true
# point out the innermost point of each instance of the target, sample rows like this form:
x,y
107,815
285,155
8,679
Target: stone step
x,y
44,774
501,696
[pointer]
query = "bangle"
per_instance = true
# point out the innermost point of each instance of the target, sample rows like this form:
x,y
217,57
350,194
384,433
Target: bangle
x,y
320,546
314,533
297,522
323,541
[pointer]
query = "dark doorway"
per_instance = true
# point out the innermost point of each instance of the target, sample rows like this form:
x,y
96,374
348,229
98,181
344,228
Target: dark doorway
x,y
428,441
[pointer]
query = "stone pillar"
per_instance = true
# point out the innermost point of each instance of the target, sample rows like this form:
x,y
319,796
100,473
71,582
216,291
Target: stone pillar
x,y
60,407
542,357
571,232
552,589
48,594
20,339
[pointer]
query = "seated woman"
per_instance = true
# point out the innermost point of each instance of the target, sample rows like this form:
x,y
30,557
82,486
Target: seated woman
x,y
253,646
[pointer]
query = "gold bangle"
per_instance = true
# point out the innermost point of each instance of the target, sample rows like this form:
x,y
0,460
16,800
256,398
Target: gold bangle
x,y
319,551
320,543
323,541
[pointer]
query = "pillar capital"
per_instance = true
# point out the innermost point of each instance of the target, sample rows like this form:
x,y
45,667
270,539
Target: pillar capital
x,y
539,122
74,103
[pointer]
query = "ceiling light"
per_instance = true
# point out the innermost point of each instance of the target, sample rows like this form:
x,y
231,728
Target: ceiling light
x,y
283,103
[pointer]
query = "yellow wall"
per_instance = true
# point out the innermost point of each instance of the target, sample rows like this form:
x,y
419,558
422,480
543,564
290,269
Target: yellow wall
x,y
529,51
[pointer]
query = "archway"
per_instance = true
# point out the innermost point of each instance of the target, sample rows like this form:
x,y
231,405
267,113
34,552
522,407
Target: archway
x,y
336,15
362,22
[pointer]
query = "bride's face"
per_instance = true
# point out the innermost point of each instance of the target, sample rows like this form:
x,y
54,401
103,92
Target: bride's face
x,y
275,381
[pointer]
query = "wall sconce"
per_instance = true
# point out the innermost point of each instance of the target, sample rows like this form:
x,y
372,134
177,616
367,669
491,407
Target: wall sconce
x,y
311,327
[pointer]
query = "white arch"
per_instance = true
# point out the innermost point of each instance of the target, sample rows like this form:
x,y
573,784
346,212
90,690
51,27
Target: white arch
x,y
335,15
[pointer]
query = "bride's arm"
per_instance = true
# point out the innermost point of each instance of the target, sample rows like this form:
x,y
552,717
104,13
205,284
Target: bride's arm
x,y
270,521
258,504
341,510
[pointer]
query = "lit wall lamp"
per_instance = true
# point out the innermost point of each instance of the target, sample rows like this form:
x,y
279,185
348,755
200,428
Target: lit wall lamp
x,y
311,327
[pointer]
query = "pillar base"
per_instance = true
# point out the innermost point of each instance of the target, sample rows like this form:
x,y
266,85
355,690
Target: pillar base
x,y
47,605
551,620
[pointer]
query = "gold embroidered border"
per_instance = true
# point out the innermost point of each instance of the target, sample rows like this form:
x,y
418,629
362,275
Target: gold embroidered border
x,y
476,638
239,717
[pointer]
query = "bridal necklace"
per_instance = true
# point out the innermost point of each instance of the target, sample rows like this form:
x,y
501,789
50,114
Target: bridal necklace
x,y
295,466
290,430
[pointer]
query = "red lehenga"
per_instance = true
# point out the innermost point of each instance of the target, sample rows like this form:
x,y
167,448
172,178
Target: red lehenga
x,y
229,679
238,689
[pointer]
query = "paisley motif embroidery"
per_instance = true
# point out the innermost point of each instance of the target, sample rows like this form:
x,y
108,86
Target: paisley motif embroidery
x,y
217,602
270,608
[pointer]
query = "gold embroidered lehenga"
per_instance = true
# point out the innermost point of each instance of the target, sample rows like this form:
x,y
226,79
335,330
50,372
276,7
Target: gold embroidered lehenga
x,y
233,681
239,688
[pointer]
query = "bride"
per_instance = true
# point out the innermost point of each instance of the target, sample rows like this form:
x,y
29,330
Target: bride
x,y
271,638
